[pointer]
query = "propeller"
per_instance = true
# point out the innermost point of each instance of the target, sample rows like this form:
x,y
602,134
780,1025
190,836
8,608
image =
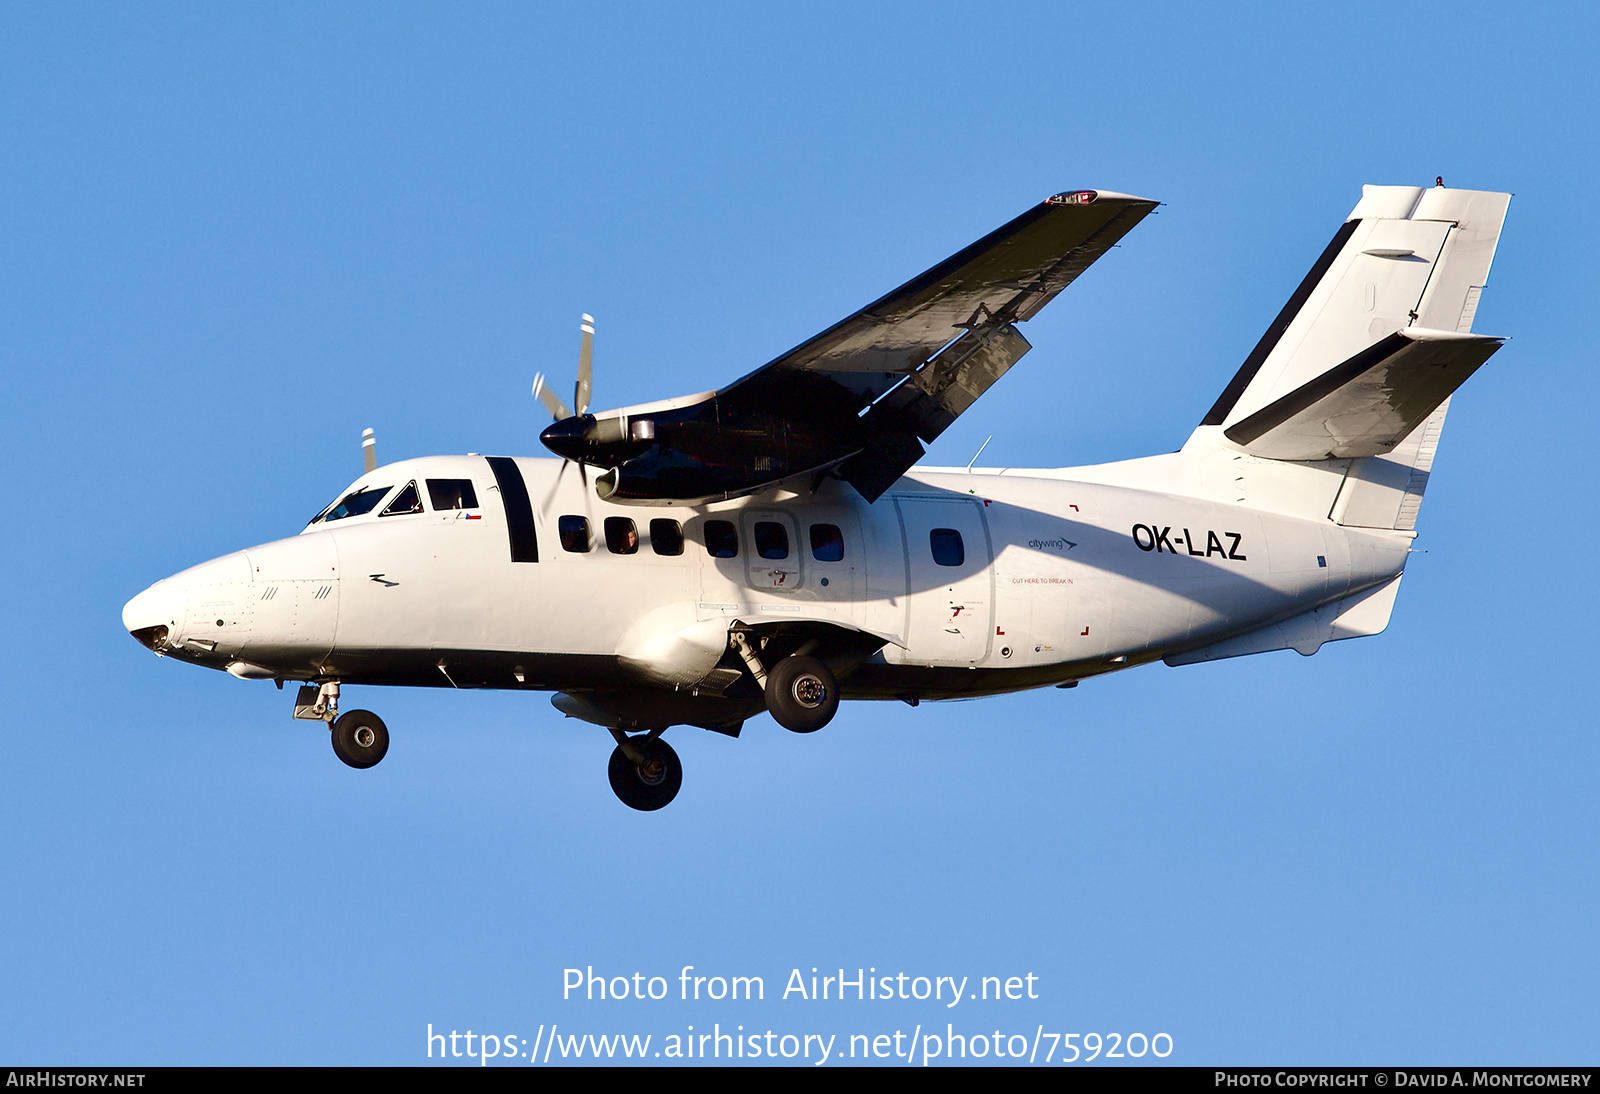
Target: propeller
x,y
580,391
580,394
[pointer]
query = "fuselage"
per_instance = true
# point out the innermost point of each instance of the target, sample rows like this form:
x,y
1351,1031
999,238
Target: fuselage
x,y
965,582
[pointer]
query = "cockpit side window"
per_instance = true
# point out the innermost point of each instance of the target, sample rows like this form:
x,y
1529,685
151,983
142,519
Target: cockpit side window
x,y
451,494
408,500
356,504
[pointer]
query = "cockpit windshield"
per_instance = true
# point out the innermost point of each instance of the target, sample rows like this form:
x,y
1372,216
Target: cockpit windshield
x,y
354,504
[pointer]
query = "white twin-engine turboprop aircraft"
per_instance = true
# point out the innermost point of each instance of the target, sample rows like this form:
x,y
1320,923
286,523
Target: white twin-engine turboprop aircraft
x,y
770,546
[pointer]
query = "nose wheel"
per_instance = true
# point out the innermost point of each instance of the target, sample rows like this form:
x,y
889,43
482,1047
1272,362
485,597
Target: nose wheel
x,y
360,738
650,783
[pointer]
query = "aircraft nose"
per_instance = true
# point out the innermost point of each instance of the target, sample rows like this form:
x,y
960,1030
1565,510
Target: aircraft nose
x,y
152,616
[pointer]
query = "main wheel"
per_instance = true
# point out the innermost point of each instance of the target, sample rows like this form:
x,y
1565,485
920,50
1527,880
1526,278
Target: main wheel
x,y
360,738
649,785
802,694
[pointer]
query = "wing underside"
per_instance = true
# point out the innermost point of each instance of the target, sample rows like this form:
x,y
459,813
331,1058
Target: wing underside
x,y
920,355
861,398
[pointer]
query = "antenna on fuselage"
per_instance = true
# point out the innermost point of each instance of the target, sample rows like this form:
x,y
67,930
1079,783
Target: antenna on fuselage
x,y
369,449
979,452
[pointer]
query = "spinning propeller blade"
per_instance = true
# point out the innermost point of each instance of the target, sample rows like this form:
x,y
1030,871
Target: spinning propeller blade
x,y
552,402
580,394
580,390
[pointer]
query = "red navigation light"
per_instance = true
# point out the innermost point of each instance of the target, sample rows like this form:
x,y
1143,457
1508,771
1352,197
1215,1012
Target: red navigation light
x,y
1077,197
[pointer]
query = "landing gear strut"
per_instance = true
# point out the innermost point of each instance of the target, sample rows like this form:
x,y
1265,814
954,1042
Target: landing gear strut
x,y
801,693
645,772
360,738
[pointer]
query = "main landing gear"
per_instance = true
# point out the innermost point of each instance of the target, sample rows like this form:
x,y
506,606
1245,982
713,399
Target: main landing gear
x,y
645,772
360,738
801,693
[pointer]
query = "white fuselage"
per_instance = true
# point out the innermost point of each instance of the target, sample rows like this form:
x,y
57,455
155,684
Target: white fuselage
x,y
973,582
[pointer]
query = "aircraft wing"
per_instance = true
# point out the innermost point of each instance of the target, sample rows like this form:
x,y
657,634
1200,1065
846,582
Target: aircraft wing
x,y
863,396
939,341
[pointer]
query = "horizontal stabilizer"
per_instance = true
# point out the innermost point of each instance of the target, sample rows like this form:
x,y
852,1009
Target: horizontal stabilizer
x,y
1406,258
1369,403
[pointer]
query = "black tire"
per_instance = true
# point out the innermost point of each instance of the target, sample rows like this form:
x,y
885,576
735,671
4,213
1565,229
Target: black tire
x,y
651,786
802,694
360,738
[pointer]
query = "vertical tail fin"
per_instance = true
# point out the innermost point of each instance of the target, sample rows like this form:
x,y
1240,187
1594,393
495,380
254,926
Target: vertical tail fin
x,y
1363,359
1405,258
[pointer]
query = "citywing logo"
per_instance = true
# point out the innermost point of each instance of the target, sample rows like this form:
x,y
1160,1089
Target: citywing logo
x,y
1051,544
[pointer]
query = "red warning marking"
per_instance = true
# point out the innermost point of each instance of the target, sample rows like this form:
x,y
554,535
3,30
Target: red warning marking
x,y
1075,509
1085,631
997,630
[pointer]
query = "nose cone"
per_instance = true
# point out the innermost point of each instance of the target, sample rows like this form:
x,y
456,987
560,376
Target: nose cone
x,y
152,616
209,601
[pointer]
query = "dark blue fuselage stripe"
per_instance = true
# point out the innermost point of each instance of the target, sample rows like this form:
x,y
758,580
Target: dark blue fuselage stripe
x,y
519,511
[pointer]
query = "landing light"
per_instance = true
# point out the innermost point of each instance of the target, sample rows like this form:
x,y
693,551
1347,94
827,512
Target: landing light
x,y
151,638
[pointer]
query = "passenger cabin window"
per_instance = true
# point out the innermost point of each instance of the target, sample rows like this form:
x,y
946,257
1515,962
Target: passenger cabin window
x,y
574,533
772,539
827,543
451,494
666,537
407,500
358,503
722,539
622,538
947,547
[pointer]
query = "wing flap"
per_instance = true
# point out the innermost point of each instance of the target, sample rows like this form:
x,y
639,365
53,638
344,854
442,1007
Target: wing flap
x,y
937,395
925,405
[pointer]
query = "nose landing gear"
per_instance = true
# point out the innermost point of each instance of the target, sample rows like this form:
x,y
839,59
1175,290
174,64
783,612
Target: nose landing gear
x,y
360,738
645,772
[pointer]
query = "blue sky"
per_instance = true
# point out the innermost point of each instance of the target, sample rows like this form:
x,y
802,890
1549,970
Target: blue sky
x,y
233,238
